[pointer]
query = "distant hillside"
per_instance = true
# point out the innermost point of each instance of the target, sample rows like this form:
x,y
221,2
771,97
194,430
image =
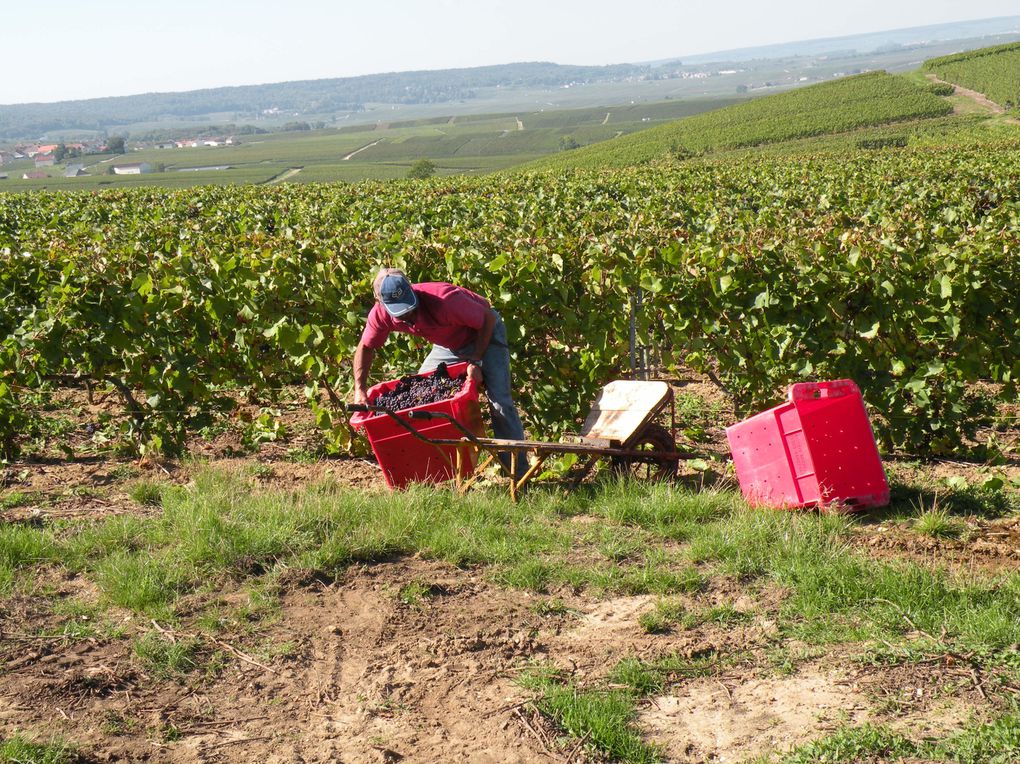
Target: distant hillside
x,y
866,100
308,96
870,42
994,72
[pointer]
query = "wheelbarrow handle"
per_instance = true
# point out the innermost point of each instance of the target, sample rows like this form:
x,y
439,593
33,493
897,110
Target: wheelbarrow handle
x,y
448,417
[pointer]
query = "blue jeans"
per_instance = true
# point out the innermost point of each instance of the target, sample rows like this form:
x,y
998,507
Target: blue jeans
x,y
506,422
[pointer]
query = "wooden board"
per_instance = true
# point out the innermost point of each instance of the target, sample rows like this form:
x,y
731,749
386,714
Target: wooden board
x,y
622,408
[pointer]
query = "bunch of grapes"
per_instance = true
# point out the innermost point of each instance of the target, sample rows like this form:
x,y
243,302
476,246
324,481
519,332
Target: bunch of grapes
x,y
414,391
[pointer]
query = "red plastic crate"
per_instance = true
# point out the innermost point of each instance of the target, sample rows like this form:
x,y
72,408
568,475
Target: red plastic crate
x,y
817,448
405,459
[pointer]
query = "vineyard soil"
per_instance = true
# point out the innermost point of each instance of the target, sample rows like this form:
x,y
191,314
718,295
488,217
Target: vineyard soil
x,y
408,658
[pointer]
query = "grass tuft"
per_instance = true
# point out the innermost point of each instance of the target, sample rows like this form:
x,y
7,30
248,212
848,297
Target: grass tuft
x,y
166,658
936,522
604,718
415,594
550,607
854,744
148,493
995,743
19,749
22,547
667,613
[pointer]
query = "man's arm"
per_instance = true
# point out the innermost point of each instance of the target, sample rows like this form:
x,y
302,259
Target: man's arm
x,y
484,336
363,358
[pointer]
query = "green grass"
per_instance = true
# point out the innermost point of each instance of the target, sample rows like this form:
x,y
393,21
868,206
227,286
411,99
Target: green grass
x,y
654,676
21,549
22,749
15,499
148,493
938,523
223,532
854,744
83,621
603,714
166,658
837,594
604,718
996,742
667,613
550,607
415,594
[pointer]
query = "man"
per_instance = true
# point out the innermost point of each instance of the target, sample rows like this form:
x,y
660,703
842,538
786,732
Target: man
x,y
461,326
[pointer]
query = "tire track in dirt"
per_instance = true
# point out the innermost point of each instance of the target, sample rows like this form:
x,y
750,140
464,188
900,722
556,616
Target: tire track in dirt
x,y
382,680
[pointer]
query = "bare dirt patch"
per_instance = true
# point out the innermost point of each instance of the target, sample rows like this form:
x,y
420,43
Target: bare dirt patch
x,y
992,546
728,719
367,679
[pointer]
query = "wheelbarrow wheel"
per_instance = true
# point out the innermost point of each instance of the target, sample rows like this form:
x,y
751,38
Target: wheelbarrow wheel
x,y
656,469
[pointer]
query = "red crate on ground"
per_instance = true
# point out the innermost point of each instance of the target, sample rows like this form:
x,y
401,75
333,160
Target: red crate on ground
x,y
405,459
817,448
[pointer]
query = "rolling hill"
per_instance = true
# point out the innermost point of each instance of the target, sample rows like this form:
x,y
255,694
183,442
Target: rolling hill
x,y
345,94
867,100
511,87
994,72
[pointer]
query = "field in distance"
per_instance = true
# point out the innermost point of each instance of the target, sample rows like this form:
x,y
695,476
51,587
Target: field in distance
x,y
473,144
990,71
843,106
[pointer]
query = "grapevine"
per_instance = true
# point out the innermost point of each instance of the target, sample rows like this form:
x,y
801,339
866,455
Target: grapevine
x,y
895,269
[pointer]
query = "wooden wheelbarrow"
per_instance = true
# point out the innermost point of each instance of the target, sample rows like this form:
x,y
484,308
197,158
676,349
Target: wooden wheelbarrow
x,y
620,427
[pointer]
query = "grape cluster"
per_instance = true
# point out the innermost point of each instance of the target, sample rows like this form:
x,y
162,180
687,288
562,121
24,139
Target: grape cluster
x,y
414,391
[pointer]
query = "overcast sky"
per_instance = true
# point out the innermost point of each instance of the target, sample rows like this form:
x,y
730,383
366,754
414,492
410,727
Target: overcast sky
x,y
72,49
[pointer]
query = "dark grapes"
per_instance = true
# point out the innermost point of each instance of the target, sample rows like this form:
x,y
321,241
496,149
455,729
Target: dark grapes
x,y
414,391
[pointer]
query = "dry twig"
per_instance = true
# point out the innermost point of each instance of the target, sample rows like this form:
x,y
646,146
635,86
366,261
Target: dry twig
x,y
171,634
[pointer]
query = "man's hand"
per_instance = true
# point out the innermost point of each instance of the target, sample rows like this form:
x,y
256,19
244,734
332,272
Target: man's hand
x,y
475,372
360,397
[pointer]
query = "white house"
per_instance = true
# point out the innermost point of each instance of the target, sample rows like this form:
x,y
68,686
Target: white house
x,y
135,168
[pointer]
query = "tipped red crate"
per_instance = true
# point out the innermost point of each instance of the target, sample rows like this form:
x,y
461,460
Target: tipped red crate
x,y
817,448
402,457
